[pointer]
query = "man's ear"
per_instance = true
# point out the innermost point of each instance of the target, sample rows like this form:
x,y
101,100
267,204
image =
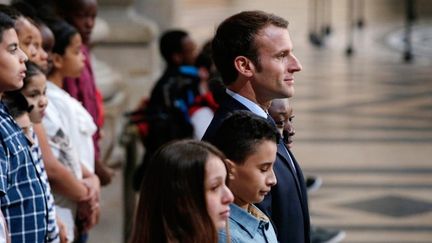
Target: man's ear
x,y
231,169
57,60
244,66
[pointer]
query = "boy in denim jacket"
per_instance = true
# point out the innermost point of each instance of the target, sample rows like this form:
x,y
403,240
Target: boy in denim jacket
x,y
250,144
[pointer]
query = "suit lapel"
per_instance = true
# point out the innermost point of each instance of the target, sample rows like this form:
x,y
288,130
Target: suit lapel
x,y
300,178
287,159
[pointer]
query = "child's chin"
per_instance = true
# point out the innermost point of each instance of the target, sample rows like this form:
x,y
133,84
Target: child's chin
x,y
221,225
259,199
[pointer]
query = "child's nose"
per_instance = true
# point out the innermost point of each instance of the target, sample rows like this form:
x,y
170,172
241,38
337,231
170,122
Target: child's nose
x,y
271,180
228,197
44,101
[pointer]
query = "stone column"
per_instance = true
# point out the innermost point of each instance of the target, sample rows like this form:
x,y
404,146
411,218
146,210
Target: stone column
x,y
132,35
163,12
131,48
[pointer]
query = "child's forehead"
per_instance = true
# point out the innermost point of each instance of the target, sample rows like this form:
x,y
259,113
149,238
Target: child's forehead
x,y
37,80
261,152
22,21
9,37
24,24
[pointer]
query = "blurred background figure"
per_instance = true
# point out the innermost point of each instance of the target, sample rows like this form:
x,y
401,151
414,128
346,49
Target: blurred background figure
x,y
165,115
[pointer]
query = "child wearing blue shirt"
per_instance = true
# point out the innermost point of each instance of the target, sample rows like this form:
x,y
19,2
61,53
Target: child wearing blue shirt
x,y
22,193
250,144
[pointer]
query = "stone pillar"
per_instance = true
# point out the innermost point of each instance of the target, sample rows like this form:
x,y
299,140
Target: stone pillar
x,y
130,46
133,36
163,12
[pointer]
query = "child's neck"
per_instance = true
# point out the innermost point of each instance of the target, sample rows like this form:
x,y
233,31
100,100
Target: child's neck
x,y
56,78
241,203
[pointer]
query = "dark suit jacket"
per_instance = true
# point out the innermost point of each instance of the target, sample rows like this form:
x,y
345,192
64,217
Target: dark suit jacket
x,y
286,205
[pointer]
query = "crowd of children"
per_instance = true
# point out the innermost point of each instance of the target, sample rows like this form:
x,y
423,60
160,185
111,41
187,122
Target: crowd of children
x,y
49,150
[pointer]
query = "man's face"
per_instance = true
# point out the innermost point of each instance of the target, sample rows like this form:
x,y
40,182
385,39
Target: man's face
x,y
12,58
283,115
280,111
289,131
274,74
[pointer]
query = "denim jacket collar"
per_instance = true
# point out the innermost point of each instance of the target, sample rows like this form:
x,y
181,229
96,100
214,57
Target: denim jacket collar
x,y
249,222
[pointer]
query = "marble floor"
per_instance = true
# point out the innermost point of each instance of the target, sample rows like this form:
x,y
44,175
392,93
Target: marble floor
x,y
363,124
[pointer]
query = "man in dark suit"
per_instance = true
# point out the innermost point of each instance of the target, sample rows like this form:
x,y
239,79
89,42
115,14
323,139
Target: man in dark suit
x,y
252,51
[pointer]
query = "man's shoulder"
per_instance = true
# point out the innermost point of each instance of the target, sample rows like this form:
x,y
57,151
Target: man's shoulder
x,y
227,106
215,123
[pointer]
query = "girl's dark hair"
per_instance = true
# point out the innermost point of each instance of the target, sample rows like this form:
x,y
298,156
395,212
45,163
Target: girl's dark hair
x,y
63,33
15,100
25,9
35,3
32,70
41,12
10,11
172,205
16,103
6,22
241,132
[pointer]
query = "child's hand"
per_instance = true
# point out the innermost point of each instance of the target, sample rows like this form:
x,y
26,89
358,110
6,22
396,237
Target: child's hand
x,y
62,231
91,202
88,222
93,185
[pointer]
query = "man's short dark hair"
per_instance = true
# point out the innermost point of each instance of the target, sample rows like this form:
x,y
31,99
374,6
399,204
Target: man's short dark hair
x,y
241,132
171,42
236,35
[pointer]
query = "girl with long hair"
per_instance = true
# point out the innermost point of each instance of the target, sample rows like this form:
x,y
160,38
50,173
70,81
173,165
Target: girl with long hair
x,y
183,196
